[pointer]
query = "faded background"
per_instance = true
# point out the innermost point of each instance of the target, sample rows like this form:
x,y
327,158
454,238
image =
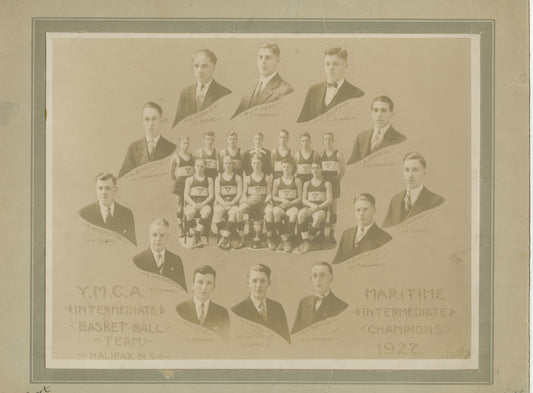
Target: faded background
x,y
511,198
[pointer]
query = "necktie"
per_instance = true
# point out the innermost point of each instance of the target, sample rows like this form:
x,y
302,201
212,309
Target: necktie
x,y
160,262
408,202
318,302
202,313
108,216
262,311
359,236
151,147
200,97
330,92
257,91
375,141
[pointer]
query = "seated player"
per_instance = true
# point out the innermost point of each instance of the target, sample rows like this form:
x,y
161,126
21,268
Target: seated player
x,y
281,153
317,197
228,192
181,167
209,154
198,197
256,195
287,197
234,152
305,157
259,151
333,168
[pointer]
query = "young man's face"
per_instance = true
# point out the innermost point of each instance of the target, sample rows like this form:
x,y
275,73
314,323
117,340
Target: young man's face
x,y
258,140
305,142
316,170
228,164
364,212
286,168
105,192
327,139
413,174
381,114
283,139
158,237
335,67
203,69
232,140
267,62
184,144
258,282
321,279
257,165
203,286
151,122
209,140
199,167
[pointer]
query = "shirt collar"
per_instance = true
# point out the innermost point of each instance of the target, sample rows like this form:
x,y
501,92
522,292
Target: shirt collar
x,y
198,304
325,296
383,130
257,302
205,84
365,228
267,79
155,139
339,83
103,209
415,193
154,253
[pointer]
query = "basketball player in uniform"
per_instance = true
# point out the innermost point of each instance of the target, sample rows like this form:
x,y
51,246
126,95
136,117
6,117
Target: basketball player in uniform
x,y
181,167
198,197
209,154
234,152
317,197
333,169
305,157
256,195
281,153
228,192
259,151
287,197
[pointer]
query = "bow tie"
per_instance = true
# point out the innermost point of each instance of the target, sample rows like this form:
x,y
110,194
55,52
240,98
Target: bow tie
x,y
334,85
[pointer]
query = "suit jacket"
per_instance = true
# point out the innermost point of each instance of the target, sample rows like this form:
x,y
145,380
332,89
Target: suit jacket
x,y
274,90
216,320
172,268
306,315
138,155
277,321
122,222
396,213
361,147
374,238
314,104
187,101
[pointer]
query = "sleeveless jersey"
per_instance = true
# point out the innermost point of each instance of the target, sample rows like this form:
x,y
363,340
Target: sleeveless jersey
x,y
316,194
277,162
228,188
185,168
199,189
211,163
330,165
287,191
303,166
258,188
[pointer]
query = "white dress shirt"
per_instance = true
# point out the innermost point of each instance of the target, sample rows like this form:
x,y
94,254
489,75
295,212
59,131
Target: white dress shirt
x,y
104,210
331,91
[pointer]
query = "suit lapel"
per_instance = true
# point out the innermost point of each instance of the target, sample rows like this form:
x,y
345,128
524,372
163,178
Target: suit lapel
x,y
419,203
142,152
365,143
151,260
269,89
210,96
339,96
321,105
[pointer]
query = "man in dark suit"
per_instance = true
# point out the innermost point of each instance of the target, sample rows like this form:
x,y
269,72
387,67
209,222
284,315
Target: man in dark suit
x,y
270,87
107,213
205,92
200,309
366,235
157,259
382,135
323,96
323,304
416,198
258,308
153,146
